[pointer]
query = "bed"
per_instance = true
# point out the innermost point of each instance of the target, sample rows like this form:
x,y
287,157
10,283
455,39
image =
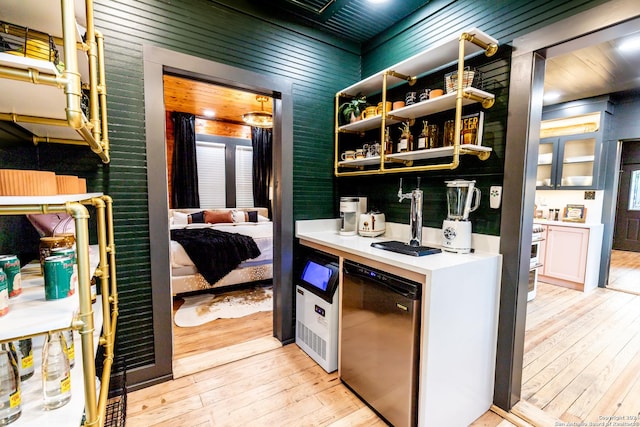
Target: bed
x,y
199,227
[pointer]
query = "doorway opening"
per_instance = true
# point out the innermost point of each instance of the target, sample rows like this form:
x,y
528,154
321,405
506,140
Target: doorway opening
x,y
624,271
158,62
581,349
233,172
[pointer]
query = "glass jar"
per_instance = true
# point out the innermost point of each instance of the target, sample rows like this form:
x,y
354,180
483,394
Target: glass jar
x,y
448,139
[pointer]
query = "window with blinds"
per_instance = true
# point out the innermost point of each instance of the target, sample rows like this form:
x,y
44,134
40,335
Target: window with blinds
x,y
244,176
210,158
222,175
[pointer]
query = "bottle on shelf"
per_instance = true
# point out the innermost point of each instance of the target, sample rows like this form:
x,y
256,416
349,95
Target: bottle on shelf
x,y
71,353
406,139
23,350
10,403
423,138
388,142
56,373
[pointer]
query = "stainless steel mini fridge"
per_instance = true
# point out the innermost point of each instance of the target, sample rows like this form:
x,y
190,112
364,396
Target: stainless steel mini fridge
x,y
380,337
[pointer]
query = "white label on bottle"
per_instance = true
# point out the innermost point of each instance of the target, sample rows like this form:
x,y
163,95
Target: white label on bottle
x,y
422,142
402,146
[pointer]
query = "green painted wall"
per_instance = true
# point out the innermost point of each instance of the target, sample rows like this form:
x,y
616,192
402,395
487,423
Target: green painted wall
x,y
215,32
318,67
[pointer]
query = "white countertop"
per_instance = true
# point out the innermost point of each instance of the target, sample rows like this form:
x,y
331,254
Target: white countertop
x,y
325,232
567,223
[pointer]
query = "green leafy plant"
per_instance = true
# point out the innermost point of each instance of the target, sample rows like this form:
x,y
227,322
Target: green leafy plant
x,y
355,107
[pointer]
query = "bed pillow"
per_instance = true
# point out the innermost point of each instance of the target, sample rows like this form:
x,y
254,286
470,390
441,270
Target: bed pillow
x,y
179,218
239,216
252,216
217,217
197,217
263,218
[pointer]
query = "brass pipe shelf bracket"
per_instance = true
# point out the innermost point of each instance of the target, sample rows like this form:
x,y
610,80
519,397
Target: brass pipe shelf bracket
x,y
486,102
410,79
489,48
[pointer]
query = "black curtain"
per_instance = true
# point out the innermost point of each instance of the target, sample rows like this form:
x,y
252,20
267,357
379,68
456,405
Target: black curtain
x,y
184,176
262,168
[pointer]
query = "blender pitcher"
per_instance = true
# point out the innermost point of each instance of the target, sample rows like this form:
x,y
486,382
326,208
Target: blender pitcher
x,y
460,194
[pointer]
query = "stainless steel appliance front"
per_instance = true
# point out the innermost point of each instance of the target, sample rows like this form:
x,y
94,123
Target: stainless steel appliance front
x,y
380,336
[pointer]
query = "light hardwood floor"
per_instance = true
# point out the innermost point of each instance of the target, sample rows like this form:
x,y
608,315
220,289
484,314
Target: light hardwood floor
x,y
624,273
282,387
582,354
581,363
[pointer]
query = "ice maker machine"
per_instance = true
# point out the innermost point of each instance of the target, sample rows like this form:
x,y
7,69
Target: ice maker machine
x,y
317,309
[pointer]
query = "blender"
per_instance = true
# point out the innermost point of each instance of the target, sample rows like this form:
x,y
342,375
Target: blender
x,y
456,229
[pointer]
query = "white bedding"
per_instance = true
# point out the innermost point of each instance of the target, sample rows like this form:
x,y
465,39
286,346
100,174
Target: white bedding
x,y
261,232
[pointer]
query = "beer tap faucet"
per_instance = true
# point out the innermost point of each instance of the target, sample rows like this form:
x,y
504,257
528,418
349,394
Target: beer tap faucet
x,y
416,212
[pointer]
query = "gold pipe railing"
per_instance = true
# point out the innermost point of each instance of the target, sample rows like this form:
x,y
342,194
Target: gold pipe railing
x,y
95,406
93,131
490,49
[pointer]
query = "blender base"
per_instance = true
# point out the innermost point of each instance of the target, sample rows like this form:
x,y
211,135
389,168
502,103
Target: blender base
x,y
456,236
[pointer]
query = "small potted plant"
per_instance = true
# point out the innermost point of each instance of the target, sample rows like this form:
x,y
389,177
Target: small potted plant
x,y
350,111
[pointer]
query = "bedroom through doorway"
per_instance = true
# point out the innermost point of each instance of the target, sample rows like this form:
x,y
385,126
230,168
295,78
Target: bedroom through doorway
x,y
222,310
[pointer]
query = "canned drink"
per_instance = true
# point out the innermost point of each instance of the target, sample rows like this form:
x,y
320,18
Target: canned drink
x,y
57,276
71,253
4,294
11,266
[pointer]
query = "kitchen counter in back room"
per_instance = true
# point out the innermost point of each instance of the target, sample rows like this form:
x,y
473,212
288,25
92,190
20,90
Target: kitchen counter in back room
x,y
459,314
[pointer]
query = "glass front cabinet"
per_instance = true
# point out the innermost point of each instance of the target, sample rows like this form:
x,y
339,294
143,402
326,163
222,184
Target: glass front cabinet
x,y
571,150
568,162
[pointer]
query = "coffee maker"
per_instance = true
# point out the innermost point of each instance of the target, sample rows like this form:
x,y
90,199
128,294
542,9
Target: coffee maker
x,y
456,229
350,210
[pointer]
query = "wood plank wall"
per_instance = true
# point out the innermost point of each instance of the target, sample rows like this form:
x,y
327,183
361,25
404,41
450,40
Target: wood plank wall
x,y
215,32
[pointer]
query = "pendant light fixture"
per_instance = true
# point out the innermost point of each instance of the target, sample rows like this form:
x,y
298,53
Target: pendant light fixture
x,y
261,119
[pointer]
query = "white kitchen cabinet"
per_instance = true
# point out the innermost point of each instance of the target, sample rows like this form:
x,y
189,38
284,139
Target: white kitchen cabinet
x,y
31,315
572,256
459,319
44,95
447,52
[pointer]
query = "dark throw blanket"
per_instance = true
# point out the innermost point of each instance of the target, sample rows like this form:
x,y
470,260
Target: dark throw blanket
x,y
215,253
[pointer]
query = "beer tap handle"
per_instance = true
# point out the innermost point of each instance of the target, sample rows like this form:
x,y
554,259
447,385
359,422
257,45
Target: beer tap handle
x,y
400,194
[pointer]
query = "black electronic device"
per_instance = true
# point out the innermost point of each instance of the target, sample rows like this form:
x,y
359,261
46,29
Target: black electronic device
x,y
320,276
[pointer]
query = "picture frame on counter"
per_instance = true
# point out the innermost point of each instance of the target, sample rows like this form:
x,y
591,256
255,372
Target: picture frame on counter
x,y
574,213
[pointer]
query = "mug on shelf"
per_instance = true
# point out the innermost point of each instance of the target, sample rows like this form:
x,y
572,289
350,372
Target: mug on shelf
x,y
360,153
369,112
410,98
379,109
348,155
398,104
434,93
423,95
